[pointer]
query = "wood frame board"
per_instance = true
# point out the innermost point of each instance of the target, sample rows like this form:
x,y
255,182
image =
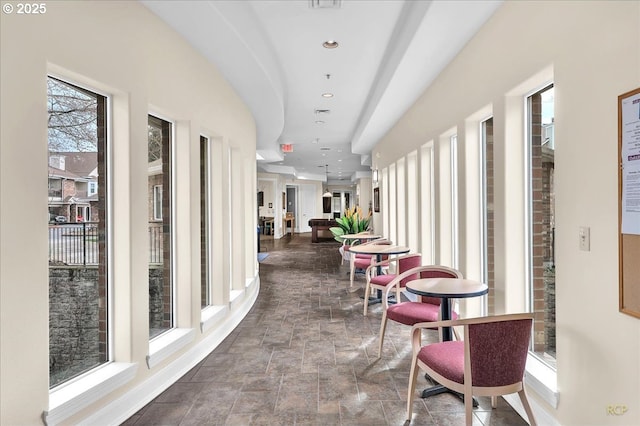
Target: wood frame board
x,y
629,244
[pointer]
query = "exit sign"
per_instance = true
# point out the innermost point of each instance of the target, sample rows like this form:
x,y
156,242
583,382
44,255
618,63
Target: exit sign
x,y
286,147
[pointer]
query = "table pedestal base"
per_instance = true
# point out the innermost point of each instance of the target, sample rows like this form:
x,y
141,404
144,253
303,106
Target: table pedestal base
x,y
378,299
438,389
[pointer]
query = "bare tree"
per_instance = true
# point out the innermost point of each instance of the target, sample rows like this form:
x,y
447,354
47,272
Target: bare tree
x,y
72,118
155,143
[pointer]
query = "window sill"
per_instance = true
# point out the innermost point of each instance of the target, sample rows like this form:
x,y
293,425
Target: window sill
x,y
168,343
542,379
210,315
78,394
235,297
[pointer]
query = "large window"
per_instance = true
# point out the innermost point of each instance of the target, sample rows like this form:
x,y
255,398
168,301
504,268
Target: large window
x,y
540,114
205,242
78,231
488,225
161,297
454,201
427,203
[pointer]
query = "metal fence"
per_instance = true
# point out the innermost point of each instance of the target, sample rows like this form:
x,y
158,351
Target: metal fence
x,y
156,239
77,243
74,243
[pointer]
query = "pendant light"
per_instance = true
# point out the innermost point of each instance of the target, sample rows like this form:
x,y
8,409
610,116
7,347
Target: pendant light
x,y
326,192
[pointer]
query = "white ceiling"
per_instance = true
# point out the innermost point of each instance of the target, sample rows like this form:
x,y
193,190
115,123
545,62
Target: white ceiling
x,y
271,52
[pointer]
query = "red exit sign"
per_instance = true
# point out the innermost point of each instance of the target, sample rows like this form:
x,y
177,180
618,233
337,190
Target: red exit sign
x,y
286,147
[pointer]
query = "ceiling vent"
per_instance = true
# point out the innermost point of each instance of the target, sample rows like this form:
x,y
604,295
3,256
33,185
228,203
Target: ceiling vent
x,y
325,4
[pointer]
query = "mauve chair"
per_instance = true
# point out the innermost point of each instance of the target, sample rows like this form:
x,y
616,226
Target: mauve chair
x,y
490,361
362,261
410,313
380,282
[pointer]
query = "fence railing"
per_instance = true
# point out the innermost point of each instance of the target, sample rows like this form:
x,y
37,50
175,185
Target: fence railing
x,y
74,243
155,242
77,243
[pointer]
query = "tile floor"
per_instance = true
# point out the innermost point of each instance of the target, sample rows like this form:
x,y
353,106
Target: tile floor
x,y
305,355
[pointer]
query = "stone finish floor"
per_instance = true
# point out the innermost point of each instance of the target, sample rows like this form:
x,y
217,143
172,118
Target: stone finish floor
x,y
305,355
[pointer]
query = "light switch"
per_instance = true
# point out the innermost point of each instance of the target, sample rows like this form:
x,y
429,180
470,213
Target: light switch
x,y
584,238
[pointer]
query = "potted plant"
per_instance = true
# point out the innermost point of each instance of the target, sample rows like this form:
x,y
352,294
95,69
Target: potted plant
x,y
352,222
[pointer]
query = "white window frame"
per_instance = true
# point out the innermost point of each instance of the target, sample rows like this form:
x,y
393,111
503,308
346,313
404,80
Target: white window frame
x,y
157,202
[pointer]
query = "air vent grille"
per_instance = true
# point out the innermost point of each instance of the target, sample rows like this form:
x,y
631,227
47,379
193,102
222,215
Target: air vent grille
x,y
325,4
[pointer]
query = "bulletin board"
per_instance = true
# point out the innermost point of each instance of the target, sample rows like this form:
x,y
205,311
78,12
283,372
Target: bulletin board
x,y
629,201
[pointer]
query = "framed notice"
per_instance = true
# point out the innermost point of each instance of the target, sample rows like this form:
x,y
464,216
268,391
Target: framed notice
x,y
629,201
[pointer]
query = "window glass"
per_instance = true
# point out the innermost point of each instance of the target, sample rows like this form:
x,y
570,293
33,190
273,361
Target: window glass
x,y
159,188
205,246
77,230
454,200
488,226
542,266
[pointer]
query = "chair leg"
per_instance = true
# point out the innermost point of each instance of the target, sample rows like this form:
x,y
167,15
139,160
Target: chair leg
x,y
525,403
367,292
494,401
351,273
383,327
413,376
468,409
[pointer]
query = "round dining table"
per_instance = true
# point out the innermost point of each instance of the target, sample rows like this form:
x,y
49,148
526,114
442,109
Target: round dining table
x,y
348,239
379,250
447,289
364,236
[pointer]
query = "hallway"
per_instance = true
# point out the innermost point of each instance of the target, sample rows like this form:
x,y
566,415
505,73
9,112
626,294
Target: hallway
x,y
305,355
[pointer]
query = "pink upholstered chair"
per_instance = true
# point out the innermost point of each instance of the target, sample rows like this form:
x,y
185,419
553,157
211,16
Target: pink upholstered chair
x,y
346,244
362,261
344,251
380,282
410,313
489,362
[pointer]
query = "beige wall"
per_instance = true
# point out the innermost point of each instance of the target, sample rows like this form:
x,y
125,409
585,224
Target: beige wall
x,y
122,50
591,51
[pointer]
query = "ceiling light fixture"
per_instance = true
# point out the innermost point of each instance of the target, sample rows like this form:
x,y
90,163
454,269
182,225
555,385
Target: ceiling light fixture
x,y
327,193
319,122
330,44
327,95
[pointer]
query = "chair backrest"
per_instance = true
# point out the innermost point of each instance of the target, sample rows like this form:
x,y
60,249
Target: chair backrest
x,y
407,262
437,271
498,350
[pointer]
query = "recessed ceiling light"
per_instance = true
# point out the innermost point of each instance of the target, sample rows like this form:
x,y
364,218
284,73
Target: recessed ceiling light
x,y
327,95
330,44
319,122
